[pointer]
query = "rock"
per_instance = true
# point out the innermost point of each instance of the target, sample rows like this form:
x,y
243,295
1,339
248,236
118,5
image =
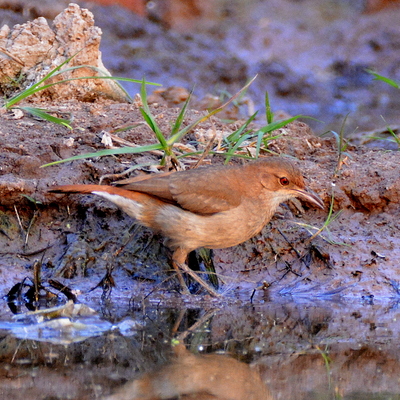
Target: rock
x,y
28,52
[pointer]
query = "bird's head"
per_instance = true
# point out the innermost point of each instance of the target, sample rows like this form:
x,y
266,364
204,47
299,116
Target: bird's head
x,y
284,179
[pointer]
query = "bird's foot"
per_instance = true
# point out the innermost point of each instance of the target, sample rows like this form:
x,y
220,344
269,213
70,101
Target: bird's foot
x,y
195,276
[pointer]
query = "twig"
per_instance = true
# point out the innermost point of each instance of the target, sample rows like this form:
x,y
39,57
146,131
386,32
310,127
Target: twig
x,y
8,54
207,149
29,229
19,220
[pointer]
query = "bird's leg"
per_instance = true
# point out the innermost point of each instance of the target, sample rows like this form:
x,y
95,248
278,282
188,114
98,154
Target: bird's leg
x,y
182,282
199,280
179,263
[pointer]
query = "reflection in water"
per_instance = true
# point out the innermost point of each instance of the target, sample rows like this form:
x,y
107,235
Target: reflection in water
x,y
200,377
320,350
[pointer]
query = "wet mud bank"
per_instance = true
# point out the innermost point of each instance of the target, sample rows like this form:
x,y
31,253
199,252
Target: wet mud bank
x,y
357,254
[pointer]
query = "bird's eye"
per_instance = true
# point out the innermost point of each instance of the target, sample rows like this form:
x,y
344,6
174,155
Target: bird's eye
x,y
284,181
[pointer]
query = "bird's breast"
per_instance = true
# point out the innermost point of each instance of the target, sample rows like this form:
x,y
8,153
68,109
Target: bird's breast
x,y
219,230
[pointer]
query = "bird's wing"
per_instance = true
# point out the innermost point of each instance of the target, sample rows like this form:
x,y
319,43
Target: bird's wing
x,y
205,190
154,184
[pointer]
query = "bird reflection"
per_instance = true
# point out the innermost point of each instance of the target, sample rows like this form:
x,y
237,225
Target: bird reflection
x,y
197,377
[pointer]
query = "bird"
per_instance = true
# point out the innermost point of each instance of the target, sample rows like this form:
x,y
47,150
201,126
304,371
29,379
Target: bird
x,y
214,207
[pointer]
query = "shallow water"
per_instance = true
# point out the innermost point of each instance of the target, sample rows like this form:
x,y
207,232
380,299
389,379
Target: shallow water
x,y
301,350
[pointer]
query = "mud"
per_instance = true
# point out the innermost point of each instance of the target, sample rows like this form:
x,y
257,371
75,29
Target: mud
x,y
361,257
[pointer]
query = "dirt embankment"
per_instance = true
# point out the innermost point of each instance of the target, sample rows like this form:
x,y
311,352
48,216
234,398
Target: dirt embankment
x,y
80,230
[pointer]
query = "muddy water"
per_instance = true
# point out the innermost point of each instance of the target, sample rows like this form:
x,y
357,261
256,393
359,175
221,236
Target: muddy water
x,y
295,350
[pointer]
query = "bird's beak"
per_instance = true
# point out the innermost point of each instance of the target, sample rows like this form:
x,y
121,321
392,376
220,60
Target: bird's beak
x,y
311,197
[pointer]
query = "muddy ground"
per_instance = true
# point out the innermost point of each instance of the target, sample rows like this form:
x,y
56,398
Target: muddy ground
x,y
357,261
356,257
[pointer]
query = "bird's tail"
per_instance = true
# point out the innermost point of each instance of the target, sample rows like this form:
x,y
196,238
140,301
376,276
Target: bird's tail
x,y
138,205
88,189
100,190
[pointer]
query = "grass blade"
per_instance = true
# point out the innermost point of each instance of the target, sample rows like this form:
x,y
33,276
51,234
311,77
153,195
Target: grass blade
x,y
33,89
150,120
109,152
234,97
235,135
259,141
187,129
57,71
231,151
41,113
181,116
280,124
382,78
268,112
